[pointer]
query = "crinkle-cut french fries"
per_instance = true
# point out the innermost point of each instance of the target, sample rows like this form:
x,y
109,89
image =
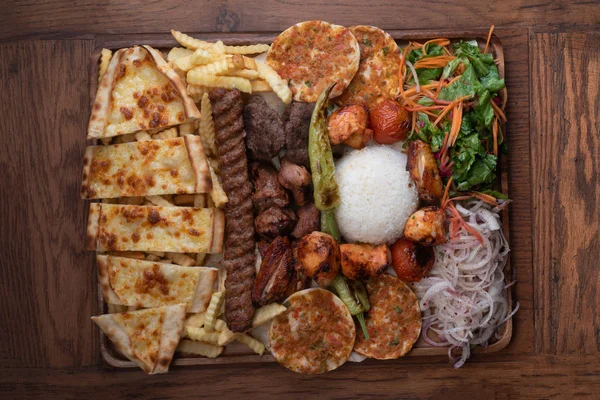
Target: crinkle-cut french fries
x,y
222,277
189,42
204,56
217,194
181,259
226,336
252,343
245,73
260,85
160,201
251,49
279,85
105,56
178,52
202,335
196,320
184,200
220,67
266,313
228,82
184,63
213,309
142,136
207,126
199,348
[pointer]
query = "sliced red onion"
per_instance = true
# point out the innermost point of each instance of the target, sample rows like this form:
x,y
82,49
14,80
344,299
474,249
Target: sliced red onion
x,y
414,72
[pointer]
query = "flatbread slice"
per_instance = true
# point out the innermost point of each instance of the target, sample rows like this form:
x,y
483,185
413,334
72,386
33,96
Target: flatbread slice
x,y
147,337
148,168
120,227
139,91
149,284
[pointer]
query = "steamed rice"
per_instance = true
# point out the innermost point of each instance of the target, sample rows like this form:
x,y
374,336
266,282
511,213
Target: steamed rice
x,y
377,195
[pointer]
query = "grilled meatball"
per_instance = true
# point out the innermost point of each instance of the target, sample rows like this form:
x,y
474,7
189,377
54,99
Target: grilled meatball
x,y
275,221
296,132
265,135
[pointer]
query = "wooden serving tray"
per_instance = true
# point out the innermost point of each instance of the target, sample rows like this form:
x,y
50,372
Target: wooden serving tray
x,y
236,353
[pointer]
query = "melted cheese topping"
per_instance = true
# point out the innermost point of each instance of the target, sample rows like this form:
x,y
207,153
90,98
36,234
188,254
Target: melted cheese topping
x,y
315,334
139,169
145,228
142,97
377,78
393,322
144,329
312,55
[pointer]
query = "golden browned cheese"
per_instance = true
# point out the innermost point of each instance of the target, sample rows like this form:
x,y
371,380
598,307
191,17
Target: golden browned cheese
x,y
393,322
315,334
377,76
312,55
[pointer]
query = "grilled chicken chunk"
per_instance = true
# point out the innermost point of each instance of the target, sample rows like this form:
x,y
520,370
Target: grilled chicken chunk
x,y
276,273
347,121
427,226
423,168
297,179
362,261
318,257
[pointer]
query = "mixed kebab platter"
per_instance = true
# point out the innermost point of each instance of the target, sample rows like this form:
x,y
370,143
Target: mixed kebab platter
x,y
329,196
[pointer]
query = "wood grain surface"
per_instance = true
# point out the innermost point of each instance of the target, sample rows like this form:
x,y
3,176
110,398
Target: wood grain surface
x,y
49,347
565,143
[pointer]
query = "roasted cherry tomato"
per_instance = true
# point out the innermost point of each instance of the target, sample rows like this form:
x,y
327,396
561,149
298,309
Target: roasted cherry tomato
x,y
411,261
390,122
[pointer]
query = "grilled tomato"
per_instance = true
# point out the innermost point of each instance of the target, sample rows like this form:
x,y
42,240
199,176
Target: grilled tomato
x,y
411,261
390,122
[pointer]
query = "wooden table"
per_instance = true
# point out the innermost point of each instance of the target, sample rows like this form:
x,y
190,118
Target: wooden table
x,y
49,347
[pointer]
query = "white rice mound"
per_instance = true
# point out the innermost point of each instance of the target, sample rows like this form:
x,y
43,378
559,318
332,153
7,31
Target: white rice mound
x,y
377,195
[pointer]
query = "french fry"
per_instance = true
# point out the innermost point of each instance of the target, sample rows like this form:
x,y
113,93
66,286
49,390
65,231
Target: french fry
x,y
207,126
267,313
160,201
249,63
142,136
252,343
246,73
178,52
279,85
220,67
226,336
184,200
222,278
251,49
195,320
199,348
189,42
181,259
196,92
217,194
105,56
260,85
187,129
218,47
184,63
213,309
202,335
228,82
205,56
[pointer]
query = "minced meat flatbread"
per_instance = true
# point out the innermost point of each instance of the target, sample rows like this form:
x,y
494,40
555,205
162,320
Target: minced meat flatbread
x,y
377,76
315,334
393,322
312,55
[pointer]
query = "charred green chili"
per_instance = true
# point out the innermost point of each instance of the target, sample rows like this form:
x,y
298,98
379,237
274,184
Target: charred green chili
x,y
357,301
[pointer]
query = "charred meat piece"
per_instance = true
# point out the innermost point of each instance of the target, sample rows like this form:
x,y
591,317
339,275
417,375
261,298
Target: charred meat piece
x,y
275,221
318,257
411,261
264,129
296,132
347,121
268,191
262,247
297,179
276,273
423,168
362,261
427,226
309,220
239,256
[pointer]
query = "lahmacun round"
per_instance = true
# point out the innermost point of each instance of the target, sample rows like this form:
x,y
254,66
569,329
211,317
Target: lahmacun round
x,y
312,55
315,334
377,76
393,322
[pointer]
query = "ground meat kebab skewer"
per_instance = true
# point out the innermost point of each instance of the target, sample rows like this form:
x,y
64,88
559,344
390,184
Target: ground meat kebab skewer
x,y
239,256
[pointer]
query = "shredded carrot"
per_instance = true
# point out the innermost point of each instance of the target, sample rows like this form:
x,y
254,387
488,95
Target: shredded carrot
x,y
412,91
495,136
451,81
484,197
434,62
424,108
414,122
445,196
464,224
498,111
440,42
487,43
448,108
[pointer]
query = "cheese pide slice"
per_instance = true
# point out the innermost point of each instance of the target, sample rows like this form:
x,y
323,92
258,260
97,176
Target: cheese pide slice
x,y
118,227
153,167
139,91
150,284
147,337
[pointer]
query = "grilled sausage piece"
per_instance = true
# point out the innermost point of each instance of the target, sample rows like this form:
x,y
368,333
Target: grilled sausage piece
x,y
239,256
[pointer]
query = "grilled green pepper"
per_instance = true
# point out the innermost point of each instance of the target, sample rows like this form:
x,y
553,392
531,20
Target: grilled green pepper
x,y
329,225
353,300
326,191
